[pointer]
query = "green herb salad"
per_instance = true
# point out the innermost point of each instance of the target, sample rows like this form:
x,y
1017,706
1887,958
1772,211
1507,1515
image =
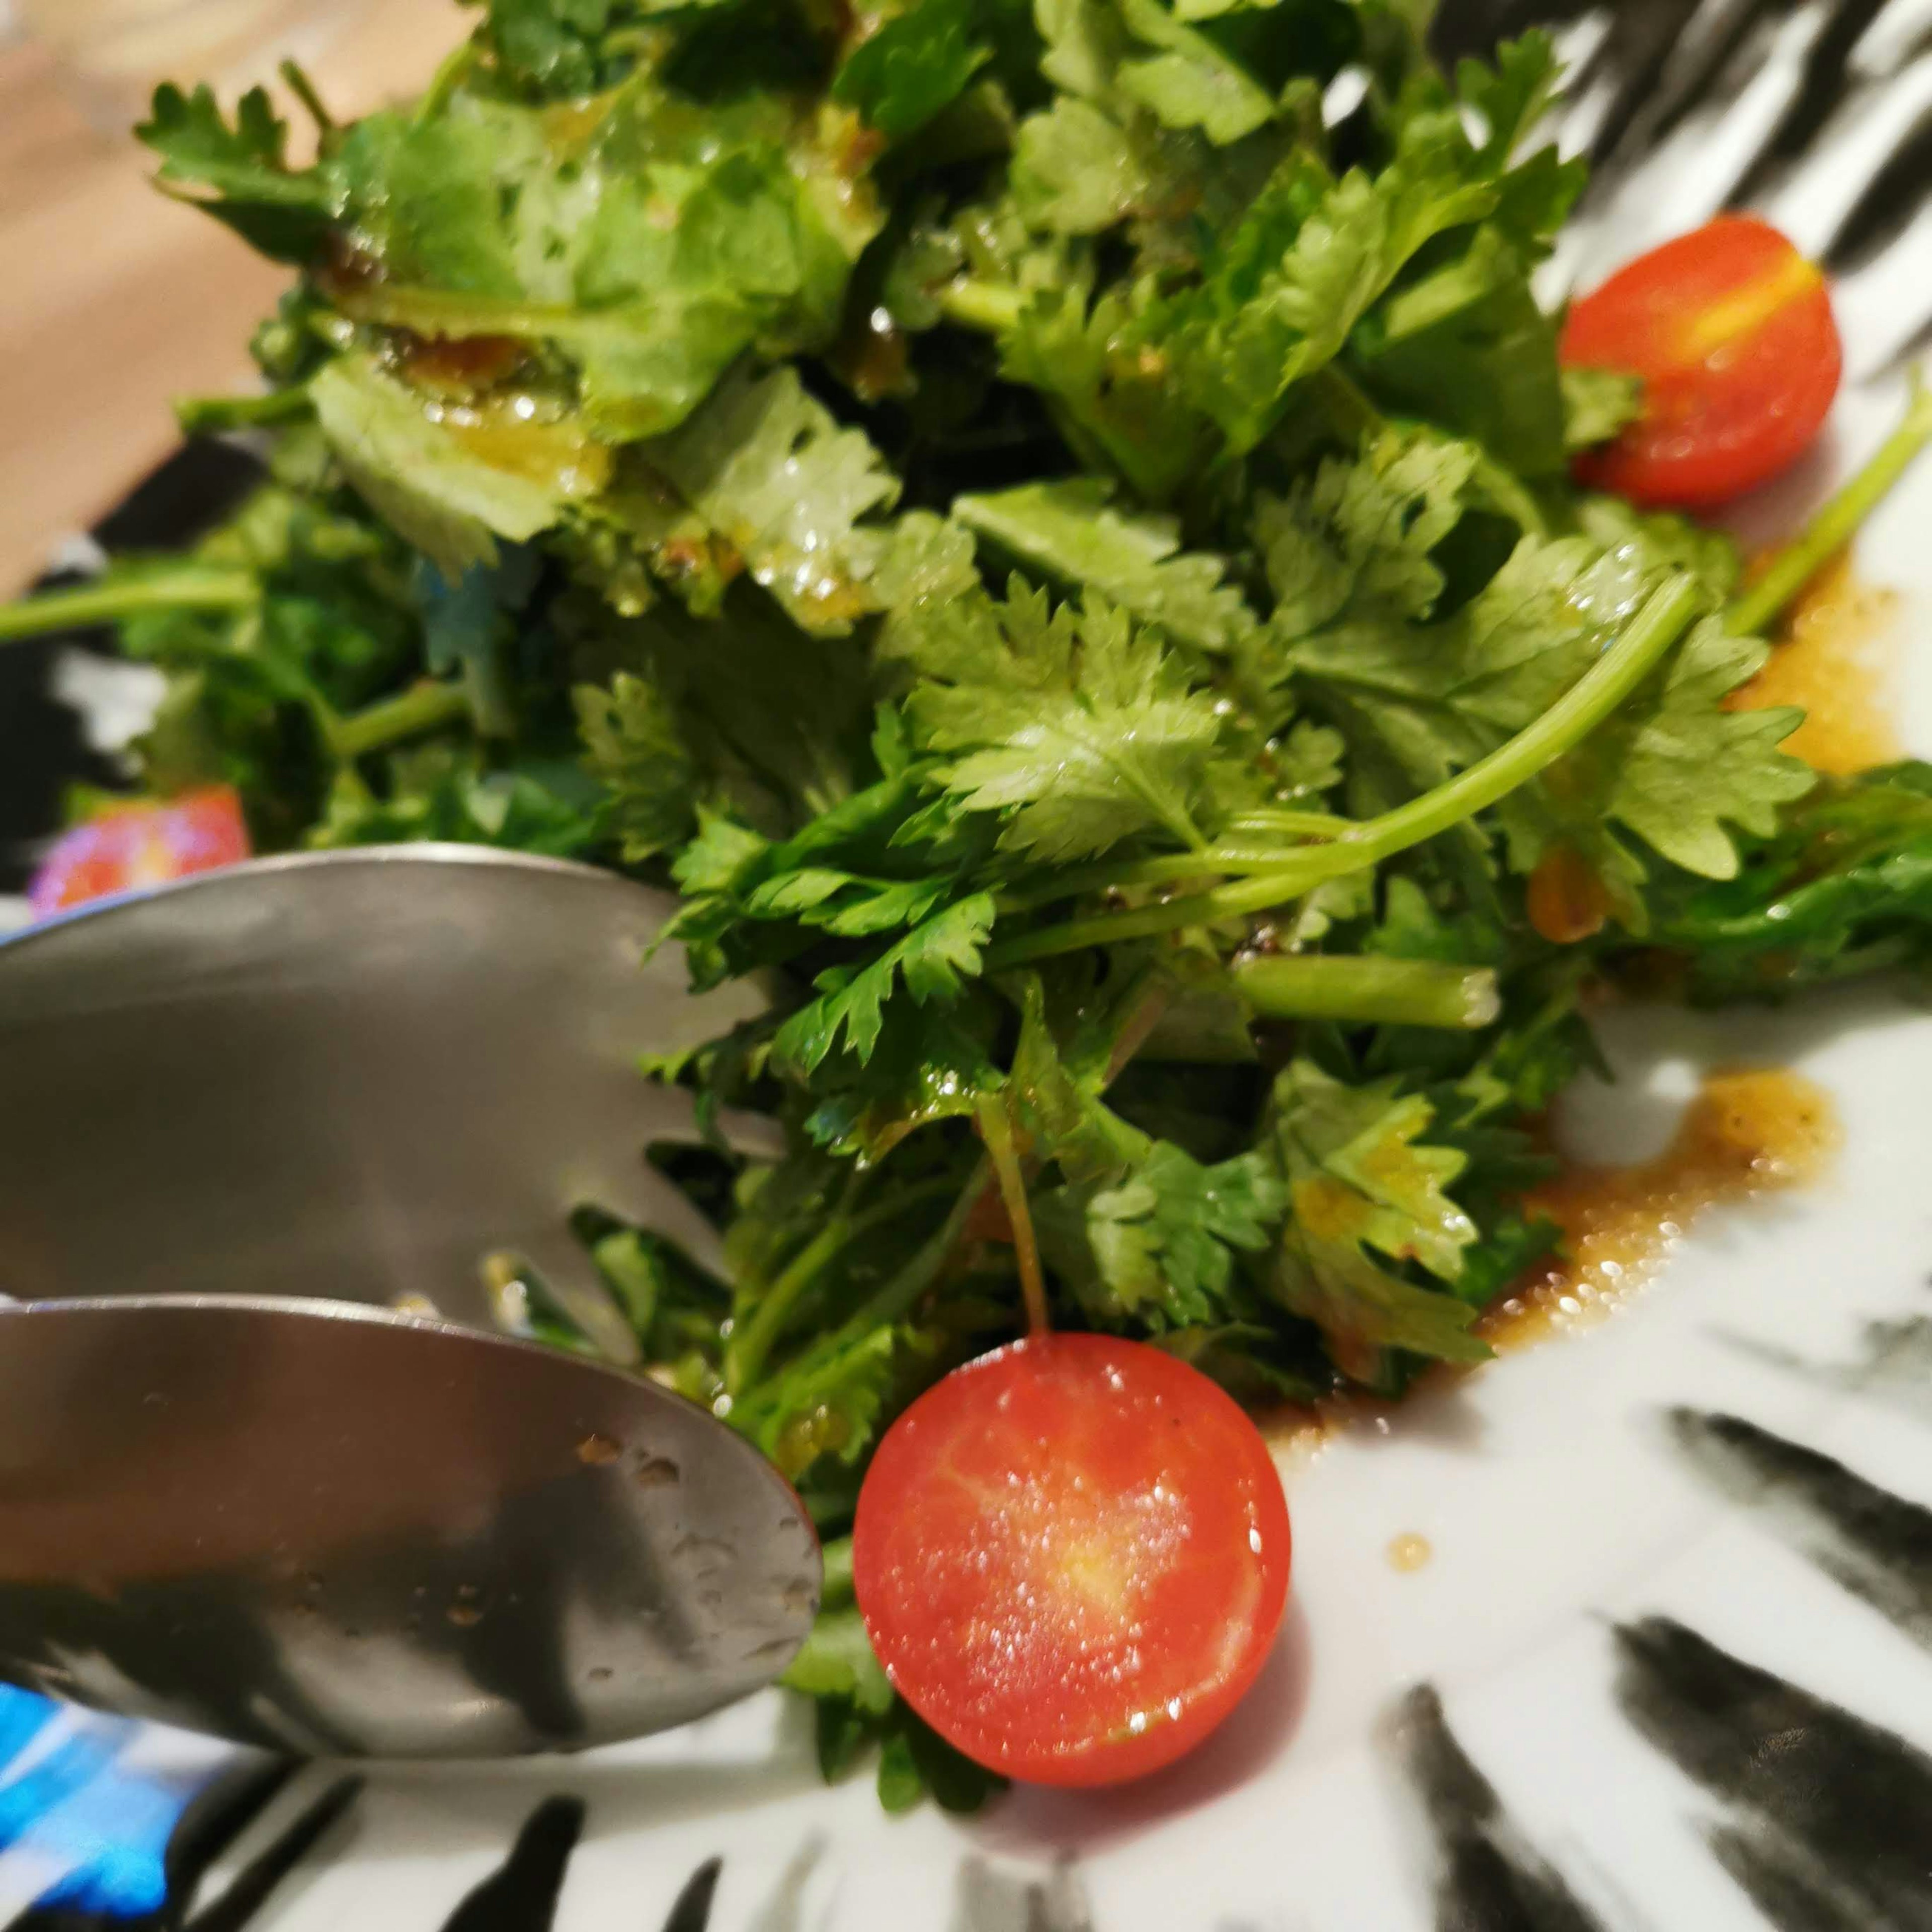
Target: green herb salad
x,y
1064,554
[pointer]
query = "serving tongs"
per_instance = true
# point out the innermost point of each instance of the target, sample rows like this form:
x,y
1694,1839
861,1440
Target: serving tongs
x,y
279,1145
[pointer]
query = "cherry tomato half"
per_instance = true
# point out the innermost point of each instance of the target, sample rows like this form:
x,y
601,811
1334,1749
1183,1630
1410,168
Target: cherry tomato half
x,y
1731,329
140,845
1072,1556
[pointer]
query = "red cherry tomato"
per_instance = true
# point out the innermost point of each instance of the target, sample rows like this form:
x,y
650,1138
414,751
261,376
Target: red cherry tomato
x,y
1071,1556
140,845
1731,329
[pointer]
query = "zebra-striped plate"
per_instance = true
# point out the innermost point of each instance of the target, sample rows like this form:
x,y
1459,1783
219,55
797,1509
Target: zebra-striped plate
x,y
1668,1668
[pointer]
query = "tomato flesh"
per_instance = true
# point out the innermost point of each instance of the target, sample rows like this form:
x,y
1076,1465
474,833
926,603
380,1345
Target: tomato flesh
x,y
1732,331
1072,1557
139,845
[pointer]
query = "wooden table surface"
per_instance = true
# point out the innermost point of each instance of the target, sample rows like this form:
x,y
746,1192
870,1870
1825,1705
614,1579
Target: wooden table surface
x,y
113,299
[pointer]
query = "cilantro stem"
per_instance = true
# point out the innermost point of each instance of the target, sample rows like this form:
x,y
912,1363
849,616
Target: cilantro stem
x,y
1370,989
990,307
193,589
751,1342
996,1129
1169,868
897,1296
1574,715
299,84
209,415
421,708
892,1301
1835,525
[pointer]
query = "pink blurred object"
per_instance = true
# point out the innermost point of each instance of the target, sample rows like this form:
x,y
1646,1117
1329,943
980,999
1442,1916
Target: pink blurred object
x,y
140,845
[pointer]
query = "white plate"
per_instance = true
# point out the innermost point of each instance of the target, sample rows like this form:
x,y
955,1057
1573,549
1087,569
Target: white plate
x,y
1625,1693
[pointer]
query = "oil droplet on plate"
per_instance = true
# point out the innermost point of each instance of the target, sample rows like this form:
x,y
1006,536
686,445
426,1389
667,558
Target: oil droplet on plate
x,y
657,1472
464,1616
1409,1552
596,1449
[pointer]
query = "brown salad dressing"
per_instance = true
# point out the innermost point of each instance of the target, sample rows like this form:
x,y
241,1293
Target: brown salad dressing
x,y
1833,660
1747,1132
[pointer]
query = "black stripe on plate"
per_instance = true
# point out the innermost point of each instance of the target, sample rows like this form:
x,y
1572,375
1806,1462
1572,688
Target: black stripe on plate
x,y
1821,90
1489,1877
1828,1813
692,1911
256,1881
521,1894
1877,1545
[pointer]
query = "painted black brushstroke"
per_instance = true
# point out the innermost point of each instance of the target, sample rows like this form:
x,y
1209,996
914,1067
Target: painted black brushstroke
x,y
1490,1879
521,1895
1885,209
692,1911
258,1879
1816,1790
1787,1890
216,1817
1821,91
987,1900
1663,80
1875,1544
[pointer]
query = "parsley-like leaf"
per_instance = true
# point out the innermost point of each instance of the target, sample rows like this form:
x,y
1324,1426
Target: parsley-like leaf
x,y
1074,722
284,212
1070,531
1361,1187
933,960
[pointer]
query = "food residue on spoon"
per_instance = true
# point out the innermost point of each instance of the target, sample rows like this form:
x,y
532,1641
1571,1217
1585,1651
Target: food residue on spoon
x,y
1833,661
1747,1132
1409,1552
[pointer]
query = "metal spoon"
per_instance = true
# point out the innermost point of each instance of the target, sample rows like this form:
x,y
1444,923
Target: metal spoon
x,y
239,1103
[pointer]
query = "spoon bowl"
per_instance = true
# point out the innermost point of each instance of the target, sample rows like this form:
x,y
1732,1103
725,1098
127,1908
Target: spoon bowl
x,y
327,1529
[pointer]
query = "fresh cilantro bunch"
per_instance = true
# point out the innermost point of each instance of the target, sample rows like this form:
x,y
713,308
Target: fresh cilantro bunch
x,y
1050,526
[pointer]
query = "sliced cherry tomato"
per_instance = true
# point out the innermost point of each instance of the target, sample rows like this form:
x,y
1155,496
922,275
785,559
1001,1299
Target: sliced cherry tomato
x,y
1731,329
1071,1556
140,845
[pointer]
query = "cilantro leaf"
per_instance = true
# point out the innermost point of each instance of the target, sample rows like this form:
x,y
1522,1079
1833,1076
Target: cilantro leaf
x,y
916,62
1844,887
1070,531
1691,766
932,960
634,744
1676,767
1162,1237
1360,1187
284,213
448,497
643,246
1074,723
769,470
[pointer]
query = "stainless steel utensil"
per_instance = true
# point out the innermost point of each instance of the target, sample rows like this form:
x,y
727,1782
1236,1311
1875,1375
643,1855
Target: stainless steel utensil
x,y
326,1528
350,1075
236,1104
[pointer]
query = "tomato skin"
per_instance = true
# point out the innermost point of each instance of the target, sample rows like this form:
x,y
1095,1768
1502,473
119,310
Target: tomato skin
x,y
1732,331
139,845
1072,1557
